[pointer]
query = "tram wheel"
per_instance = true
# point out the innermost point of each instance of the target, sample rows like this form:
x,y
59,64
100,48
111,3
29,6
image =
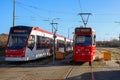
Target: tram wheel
x,y
90,63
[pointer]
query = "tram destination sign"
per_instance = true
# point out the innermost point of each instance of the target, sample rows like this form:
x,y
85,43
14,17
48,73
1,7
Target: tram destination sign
x,y
19,31
83,30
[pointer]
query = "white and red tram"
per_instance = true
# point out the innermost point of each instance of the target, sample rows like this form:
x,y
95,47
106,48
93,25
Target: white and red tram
x,y
30,43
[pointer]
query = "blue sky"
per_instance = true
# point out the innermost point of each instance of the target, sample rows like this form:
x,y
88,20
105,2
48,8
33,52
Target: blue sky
x,y
41,12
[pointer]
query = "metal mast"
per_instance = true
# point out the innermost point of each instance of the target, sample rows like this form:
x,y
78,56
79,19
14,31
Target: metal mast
x,y
54,36
14,10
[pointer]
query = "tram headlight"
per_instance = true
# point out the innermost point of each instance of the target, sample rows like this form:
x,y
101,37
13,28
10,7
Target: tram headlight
x,y
77,52
89,52
23,51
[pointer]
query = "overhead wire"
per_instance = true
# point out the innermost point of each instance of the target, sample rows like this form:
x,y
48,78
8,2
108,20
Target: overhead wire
x,y
80,6
59,12
29,10
22,5
45,10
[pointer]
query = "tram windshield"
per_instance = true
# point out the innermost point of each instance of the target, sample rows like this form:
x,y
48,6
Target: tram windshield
x,y
83,40
17,41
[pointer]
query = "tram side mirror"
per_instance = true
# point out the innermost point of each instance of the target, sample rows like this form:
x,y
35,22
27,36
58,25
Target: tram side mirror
x,y
94,36
94,40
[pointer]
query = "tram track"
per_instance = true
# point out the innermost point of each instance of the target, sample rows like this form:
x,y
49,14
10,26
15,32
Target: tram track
x,y
92,73
68,73
73,68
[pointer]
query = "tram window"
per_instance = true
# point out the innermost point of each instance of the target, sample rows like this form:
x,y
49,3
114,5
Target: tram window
x,y
38,44
80,39
61,43
68,44
31,41
83,40
42,42
47,42
17,41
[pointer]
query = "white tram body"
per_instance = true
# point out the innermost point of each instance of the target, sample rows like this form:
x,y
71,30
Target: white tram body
x,y
30,43
69,43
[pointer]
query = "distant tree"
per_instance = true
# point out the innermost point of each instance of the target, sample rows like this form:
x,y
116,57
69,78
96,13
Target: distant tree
x,y
111,43
3,39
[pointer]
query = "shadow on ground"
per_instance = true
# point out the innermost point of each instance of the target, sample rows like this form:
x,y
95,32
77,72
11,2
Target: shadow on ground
x,y
101,75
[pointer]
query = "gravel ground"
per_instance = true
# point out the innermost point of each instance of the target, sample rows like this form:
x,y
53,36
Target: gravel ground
x,y
103,70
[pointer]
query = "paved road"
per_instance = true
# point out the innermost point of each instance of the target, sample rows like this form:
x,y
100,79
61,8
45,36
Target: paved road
x,y
59,73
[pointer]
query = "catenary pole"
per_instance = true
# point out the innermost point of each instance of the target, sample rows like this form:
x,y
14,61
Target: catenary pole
x,y
14,12
54,38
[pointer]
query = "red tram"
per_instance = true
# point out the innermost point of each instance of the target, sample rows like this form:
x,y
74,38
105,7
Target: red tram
x,y
84,44
29,43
